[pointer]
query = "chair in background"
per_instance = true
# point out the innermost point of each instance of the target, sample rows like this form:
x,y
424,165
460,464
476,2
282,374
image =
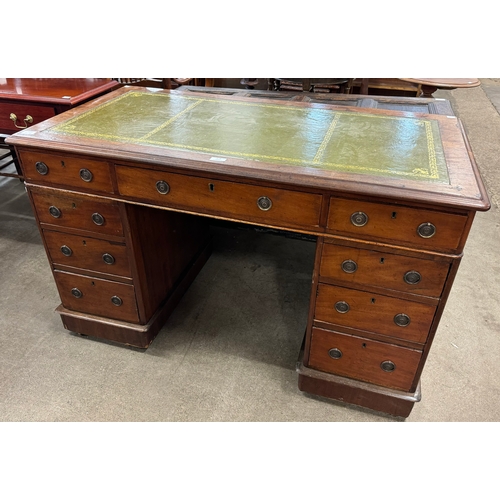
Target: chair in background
x,y
163,83
318,85
9,166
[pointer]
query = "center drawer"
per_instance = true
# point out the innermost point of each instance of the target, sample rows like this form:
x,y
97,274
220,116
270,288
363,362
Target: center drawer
x,y
246,202
374,313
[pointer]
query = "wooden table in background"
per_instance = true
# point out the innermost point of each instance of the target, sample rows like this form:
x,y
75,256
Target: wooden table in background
x,y
430,85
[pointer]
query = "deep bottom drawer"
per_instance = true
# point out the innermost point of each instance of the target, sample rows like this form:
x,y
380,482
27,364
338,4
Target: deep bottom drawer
x,y
97,296
362,359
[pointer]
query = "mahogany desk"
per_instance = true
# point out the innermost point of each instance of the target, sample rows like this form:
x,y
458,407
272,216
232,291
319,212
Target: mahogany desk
x,y
124,187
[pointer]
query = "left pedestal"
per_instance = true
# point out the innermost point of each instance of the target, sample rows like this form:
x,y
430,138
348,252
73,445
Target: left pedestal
x,y
120,269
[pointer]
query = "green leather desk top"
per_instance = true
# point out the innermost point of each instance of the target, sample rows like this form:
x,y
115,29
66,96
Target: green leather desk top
x,y
391,154
326,139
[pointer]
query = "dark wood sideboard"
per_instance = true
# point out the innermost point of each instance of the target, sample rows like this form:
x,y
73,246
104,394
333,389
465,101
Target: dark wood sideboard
x,y
28,101
124,188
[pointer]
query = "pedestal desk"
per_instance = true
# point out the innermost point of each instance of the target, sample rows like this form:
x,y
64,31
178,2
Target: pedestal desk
x,y
124,187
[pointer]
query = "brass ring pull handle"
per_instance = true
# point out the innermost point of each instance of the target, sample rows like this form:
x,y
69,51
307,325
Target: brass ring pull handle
x,y
387,366
426,230
349,266
66,251
108,258
264,203
116,301
335,353
41,168
402,319
77,293
162,187
98,219
342,307
55,212
28,119
86,175
359,219
412,277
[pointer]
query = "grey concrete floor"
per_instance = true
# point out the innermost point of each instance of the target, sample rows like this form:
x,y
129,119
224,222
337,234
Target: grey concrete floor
x,y
228,352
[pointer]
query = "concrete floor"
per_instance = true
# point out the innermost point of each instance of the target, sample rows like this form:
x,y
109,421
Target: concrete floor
x,y
228,352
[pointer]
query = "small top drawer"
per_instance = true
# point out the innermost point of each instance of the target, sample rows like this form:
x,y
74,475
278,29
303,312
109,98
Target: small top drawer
x,y
416,227
77,212
62,170
14,116
233,200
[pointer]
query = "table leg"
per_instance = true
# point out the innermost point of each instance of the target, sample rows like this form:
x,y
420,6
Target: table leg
x,y
428,90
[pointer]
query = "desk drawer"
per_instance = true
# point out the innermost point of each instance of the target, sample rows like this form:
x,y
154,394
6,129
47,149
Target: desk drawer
x,y
62,170
78,212
374,313
387,270
22,111
87,253
401,225
362,359
97,296
277,207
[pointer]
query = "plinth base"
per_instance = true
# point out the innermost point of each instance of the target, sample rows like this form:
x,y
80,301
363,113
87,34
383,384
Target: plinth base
x,y
390,401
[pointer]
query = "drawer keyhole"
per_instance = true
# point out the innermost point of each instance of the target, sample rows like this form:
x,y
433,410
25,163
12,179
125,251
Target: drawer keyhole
x,y
211,187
